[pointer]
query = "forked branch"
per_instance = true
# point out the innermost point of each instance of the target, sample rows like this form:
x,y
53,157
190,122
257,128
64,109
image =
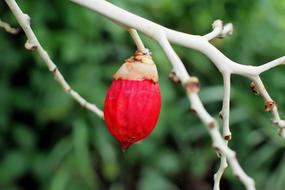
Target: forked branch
x,y
164,37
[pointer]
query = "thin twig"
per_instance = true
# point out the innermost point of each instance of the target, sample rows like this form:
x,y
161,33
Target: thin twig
x,y
270,106
219,30
136,38
33,44
164,35
226,129
8,28
196,105
265,67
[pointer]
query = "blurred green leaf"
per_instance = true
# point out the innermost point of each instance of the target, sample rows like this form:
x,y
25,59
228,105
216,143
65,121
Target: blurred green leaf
x,y
48,141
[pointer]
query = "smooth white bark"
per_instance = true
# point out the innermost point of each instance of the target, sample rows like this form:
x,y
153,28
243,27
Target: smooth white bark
x,y
164,36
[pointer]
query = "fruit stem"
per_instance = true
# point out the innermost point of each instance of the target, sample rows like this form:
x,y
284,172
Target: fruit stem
x,y
134,34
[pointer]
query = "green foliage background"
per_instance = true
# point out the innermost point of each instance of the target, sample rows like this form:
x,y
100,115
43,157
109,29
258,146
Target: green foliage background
x,y
47,141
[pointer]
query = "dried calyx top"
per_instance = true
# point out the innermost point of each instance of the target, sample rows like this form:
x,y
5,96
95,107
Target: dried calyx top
x,y
138,67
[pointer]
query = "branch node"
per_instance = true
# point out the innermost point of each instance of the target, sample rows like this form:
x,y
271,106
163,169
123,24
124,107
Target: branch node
x,y
221,114
31,46
27,18
192,85
173,77
217,24
67,90
146,51
192,110
212,125
217,150
228,29
54,70
269,105
228,137
254,88
281,132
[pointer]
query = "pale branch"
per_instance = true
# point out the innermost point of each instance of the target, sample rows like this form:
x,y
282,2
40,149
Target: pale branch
x,y
226,107
228,29
270,105
200,43
33,44
137,40
197,105
218,175
225,115
178,66
265,67
8,28
219,30
150,28
218,142
164,36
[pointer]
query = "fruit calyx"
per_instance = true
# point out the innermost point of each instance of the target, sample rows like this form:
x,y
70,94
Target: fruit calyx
x,y
138,67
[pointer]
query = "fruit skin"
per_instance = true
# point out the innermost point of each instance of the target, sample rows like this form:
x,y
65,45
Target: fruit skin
x,y
131,109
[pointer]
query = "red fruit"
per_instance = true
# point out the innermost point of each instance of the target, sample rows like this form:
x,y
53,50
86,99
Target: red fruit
x,y
133,101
